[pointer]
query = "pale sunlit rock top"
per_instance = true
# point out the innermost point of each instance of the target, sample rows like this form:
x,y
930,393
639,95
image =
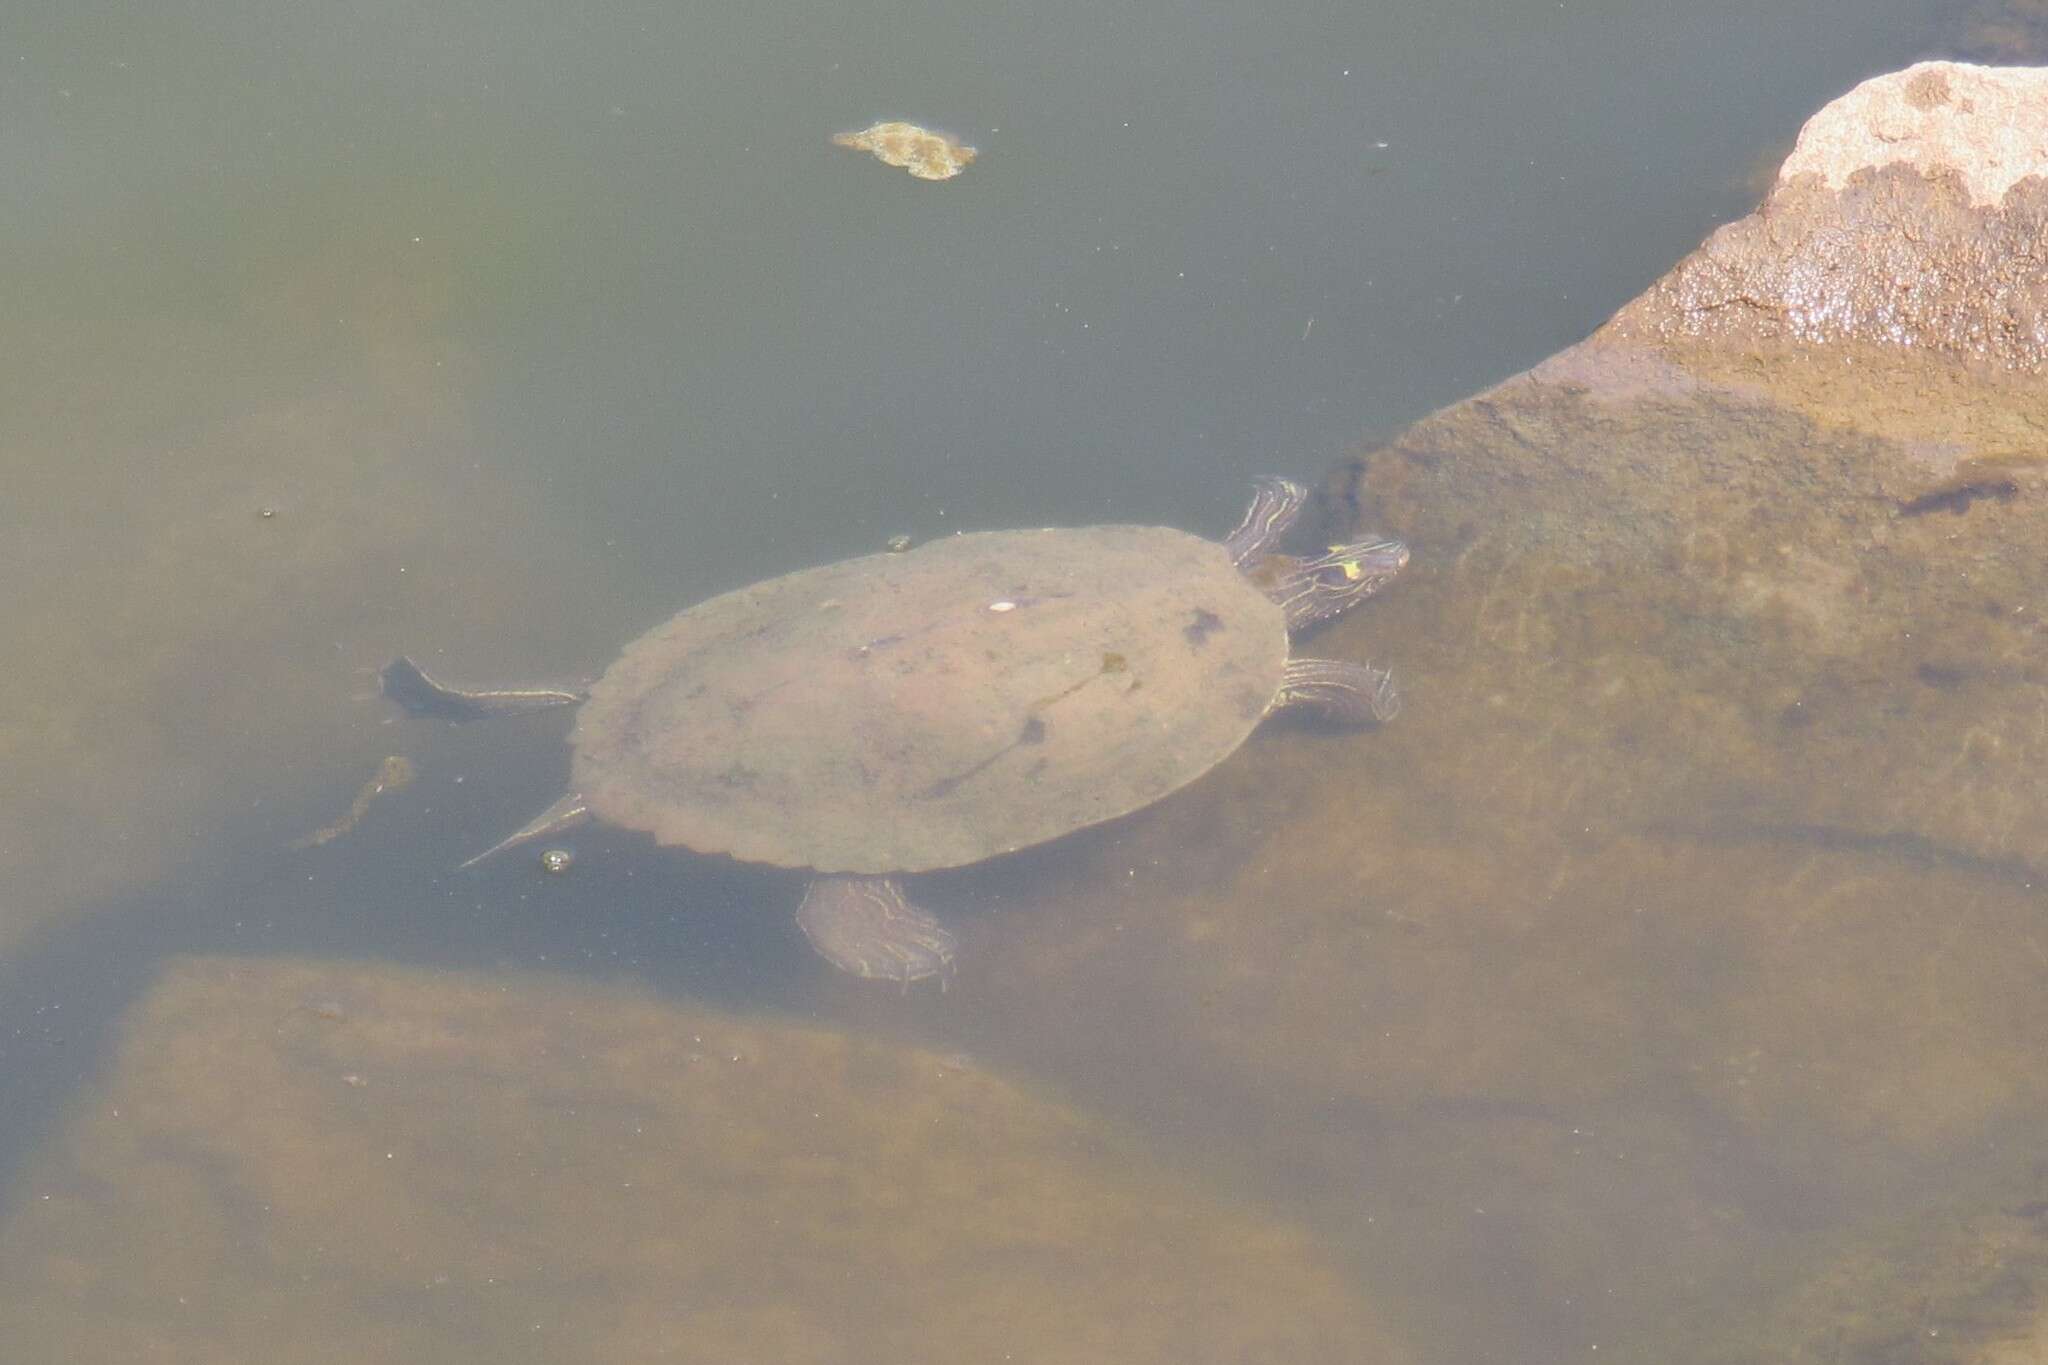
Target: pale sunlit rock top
x,y
1983,122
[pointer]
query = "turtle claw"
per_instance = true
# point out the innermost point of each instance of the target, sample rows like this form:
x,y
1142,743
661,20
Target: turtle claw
x,y
863,925
567,813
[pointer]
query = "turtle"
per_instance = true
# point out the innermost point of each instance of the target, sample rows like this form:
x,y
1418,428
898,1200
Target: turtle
x,y
910,711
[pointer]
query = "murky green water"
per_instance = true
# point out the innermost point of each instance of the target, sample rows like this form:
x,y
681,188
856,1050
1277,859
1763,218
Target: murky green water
x,y
498,333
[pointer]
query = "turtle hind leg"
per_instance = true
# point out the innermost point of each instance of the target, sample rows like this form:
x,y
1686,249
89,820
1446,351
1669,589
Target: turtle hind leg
x,y
1355,694
567,813
863,925
406,683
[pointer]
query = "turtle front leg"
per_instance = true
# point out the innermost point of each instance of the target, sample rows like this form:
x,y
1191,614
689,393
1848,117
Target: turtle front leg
x,y
1354,694
406,683
1276,505
865,926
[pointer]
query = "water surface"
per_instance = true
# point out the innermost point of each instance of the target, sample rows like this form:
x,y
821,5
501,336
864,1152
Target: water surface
x,y
496,335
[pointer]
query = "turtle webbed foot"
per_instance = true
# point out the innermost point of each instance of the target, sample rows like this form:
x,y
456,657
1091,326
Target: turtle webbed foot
x,y
1339,690
865,926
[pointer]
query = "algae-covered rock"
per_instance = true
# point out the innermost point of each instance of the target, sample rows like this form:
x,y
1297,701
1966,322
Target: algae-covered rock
x,y
1756,568
1716,821
303,1161
1726,705
1761,551
1948,1285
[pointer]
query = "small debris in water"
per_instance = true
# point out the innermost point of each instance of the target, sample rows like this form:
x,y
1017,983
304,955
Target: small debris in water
x,y
1004,605
266,512
898,544
924,153
557,860
333,1011
393,774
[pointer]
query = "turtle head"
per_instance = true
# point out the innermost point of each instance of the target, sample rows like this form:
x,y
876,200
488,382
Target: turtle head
x,y
1327,585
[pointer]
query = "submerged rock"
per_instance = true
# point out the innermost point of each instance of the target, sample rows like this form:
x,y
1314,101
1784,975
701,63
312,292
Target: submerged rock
x,y
1721,688
1945,1286
299,1161
1716,823
1760,551
1754,571
171,694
